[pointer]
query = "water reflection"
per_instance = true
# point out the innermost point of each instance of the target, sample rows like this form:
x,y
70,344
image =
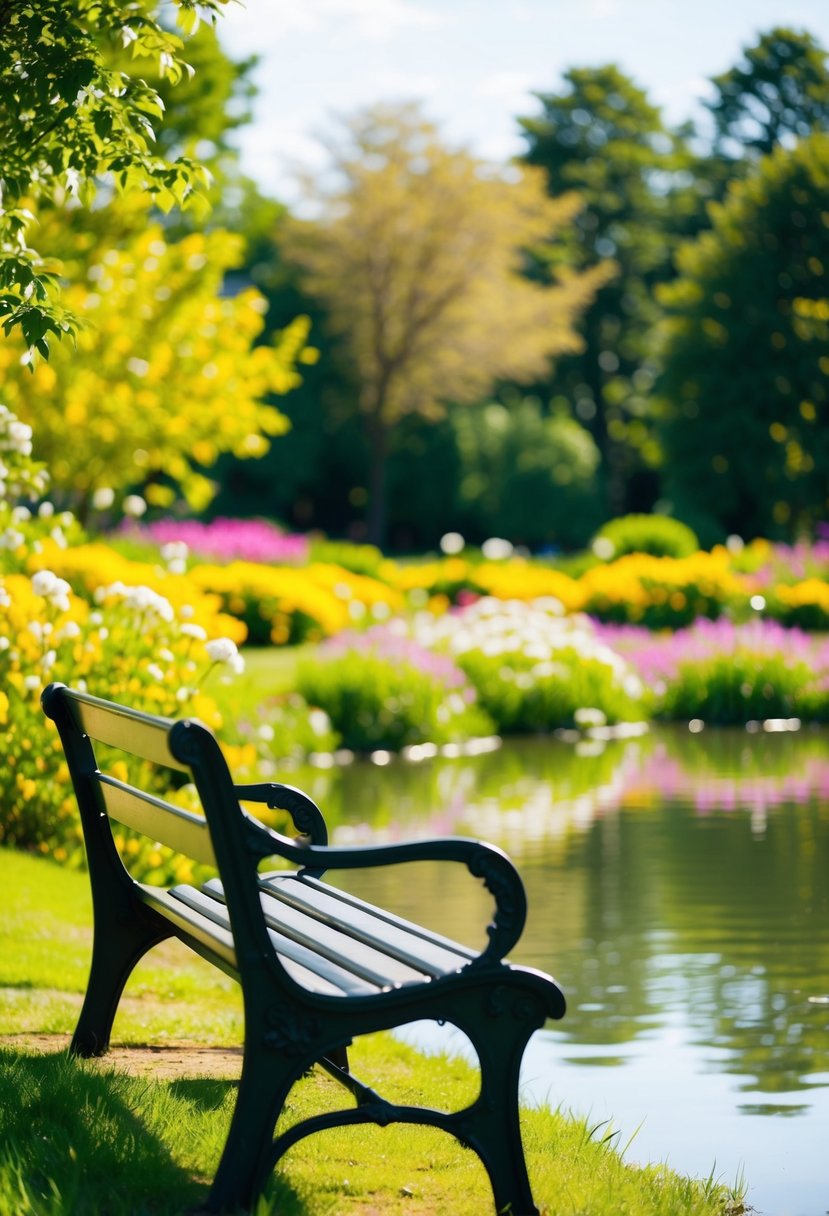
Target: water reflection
x,y
677,888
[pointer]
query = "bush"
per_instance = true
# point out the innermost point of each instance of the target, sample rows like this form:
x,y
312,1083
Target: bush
x,y
358,559
384,692
727,674
664,592
535,669
657,535
132,644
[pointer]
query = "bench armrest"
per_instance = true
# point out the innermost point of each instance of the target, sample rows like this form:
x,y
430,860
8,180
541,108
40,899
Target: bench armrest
x,y
306,816
484,861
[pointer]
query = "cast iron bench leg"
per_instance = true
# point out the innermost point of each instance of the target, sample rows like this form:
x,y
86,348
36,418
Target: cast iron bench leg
x,y
245,1165
115,953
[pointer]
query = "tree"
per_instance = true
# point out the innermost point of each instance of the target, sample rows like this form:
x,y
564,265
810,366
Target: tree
x,y
746,356
417,253
68,117
779,93
526,475
165,376
601,136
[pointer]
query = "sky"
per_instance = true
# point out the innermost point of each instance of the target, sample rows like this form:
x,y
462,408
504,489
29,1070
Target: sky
x,y
474,64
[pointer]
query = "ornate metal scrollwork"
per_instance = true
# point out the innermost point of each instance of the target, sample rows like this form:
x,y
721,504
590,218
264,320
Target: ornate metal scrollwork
x,y
289,1032
501,880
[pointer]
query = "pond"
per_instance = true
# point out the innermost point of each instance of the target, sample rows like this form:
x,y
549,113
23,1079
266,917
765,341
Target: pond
x,y
678,890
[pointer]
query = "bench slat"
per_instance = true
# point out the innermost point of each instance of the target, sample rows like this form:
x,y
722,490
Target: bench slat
x,y
340,947
331,942
171,825
128,730
322,899
398,941
314,971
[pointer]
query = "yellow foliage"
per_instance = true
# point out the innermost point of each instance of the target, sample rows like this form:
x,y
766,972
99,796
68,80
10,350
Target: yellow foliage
x,y
164,372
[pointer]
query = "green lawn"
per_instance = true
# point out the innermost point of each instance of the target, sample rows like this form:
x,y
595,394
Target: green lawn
x,y
80,1137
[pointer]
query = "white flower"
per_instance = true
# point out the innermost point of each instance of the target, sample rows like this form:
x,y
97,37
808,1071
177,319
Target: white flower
x,y
451,543
495,549
191,630
46,510
44,583
10,539
155,671
134,505
149,603
225,650
103,498
319,721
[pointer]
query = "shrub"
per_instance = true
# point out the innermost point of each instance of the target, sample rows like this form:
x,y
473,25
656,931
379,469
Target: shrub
x,y
657,535
133,645
252,540
727,674
381,691
359,559
282,605
535,669
664,592
805,604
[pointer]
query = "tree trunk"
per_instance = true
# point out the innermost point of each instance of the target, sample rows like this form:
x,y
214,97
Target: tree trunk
x,y
378,459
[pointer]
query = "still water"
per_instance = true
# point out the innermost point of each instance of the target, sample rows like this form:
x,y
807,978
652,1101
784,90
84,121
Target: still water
x,y
678,889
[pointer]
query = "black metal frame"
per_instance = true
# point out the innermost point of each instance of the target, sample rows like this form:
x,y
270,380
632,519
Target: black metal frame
x,y
287,1027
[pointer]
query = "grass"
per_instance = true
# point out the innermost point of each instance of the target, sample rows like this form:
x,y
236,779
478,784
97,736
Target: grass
x,y
269,671
81,1137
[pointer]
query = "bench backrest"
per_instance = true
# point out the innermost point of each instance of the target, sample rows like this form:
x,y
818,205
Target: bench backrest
x,y
226,837
83,720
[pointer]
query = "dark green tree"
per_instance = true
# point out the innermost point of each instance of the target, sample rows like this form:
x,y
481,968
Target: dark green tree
x,y
601,136
525,475
746,356
778,93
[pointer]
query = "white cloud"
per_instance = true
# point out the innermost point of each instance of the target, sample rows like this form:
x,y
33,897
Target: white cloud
x,y
504,85
263,24
600,9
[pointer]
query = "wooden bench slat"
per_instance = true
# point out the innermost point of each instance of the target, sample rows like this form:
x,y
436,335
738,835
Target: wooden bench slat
x,y
320,974
402,941
387,917
163,821
128,730
373,966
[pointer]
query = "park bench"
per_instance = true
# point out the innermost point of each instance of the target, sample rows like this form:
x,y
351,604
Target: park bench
x,y
317,966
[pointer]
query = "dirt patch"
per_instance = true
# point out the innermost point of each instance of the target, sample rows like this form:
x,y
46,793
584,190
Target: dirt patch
x,y
164,1061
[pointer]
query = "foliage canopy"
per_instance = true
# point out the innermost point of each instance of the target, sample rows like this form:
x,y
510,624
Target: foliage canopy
x,y
417,253
69,115
746,356
165,375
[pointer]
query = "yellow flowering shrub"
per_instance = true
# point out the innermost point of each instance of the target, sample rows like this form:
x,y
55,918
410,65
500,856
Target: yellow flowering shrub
x,y
804,604
165,375
132,644
284,604
664,592
93,566
518,579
